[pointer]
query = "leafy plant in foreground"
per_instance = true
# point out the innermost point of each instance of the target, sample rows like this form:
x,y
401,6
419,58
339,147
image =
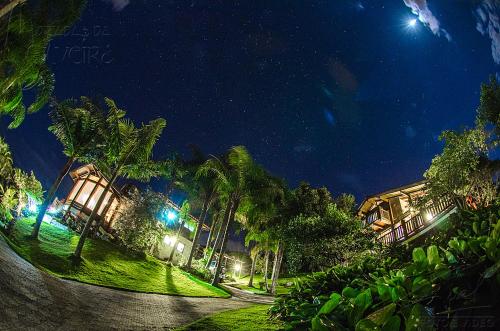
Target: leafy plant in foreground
x,y
440,288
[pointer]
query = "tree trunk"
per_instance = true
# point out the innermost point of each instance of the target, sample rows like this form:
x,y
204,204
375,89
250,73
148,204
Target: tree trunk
x,y
171,257
88,224
252,270
10,6
197,233
266,264
219,233
276,268
50,197
212,229
218,267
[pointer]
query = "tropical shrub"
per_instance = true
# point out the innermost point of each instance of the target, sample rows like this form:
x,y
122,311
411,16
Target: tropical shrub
x,y
319,241
440,288
138,228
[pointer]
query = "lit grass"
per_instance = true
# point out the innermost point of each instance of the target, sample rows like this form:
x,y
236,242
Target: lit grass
x,y
251,318
104,263
242,284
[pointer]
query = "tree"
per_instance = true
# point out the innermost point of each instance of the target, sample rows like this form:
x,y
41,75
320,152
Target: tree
x,y
461,170
26,36
204,186
79,127
183,218
26,187
346,202
488,111
127,151
237,177
6,163
260,242
138,227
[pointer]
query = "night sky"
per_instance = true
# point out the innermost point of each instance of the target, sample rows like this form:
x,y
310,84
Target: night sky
x,y
351,95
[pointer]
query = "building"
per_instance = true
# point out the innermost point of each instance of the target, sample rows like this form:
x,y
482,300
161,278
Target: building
x,y
88,185
394,216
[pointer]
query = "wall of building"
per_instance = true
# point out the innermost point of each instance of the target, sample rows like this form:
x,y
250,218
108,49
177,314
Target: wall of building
x,y
182,248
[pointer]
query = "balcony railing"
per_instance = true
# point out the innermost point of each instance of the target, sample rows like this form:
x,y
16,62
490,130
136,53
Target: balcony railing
x,y
417,223
378,215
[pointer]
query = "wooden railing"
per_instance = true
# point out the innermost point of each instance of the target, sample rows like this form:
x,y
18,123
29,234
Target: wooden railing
x,y
409,228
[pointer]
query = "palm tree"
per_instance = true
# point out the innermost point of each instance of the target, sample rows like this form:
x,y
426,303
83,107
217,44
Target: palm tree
x,y
259,242
204,186
9,6
183,217
23,56
78,127
127,151
237,178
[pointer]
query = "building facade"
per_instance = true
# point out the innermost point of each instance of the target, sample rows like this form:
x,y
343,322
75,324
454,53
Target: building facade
x,y
89,184
394,214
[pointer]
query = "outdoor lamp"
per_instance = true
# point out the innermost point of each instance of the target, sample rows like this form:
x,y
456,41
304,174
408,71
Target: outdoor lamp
x,y
171,215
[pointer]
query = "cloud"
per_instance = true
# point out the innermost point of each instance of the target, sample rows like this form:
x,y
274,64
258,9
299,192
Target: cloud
x,y
420,8
118,5
488,23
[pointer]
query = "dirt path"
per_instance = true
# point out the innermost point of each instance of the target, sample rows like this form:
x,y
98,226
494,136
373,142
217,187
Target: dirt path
x,y
31,299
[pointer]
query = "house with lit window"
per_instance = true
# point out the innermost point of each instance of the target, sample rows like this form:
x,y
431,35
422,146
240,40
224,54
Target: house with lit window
x,y
88,185
394,214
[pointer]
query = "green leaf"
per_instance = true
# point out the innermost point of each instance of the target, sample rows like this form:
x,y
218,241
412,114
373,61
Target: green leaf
x,y
382,315
491,271
349,292
384,292
418,255
363,300
450,257
330,304
419,319
318,325
421,287
475,227
433,255
366,324
392,324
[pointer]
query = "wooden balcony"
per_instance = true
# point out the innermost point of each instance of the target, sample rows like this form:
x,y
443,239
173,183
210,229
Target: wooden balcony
x,y
424,220
378,218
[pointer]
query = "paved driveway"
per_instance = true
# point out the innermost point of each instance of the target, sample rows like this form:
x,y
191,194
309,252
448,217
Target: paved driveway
x,y
31,299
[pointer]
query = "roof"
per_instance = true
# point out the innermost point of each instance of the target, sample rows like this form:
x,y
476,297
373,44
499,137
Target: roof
x,y
369,201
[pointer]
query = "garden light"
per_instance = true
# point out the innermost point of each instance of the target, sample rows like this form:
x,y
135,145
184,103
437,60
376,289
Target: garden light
x,y
171,215
429,216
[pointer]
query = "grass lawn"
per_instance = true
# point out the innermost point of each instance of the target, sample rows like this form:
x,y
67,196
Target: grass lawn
x,y
242,284
251,318
104,263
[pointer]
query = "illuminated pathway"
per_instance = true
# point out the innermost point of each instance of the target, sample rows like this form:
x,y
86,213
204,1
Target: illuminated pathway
x,y
31,299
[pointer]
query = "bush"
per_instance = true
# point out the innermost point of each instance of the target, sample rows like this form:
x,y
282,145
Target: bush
x,y
439,288
138,228
198,269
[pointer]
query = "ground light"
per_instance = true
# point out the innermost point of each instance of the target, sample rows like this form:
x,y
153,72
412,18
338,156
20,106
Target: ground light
x,y
237,269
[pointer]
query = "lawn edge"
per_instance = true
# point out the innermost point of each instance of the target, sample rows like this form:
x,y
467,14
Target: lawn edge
x,y
15,249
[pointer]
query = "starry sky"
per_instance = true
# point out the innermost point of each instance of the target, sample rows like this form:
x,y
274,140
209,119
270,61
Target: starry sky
x,y
351,95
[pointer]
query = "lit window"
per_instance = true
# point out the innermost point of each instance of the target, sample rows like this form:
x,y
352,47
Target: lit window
x,y
180,247
169,241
